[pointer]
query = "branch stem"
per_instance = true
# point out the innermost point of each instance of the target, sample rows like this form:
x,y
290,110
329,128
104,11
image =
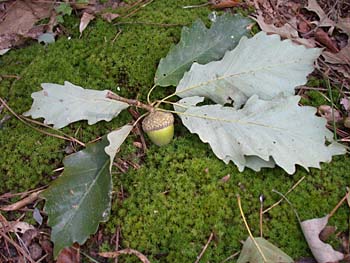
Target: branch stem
x,y
136,103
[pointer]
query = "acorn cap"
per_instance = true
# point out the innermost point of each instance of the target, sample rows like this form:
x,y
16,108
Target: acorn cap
x,y
157,120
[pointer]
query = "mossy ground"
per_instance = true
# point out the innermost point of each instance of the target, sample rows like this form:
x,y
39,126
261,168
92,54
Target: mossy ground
x,y
176,199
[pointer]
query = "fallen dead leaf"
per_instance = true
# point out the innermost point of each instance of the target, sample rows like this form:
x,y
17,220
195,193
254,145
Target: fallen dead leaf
x,y
322,252
84,21
127,251
19,19
322,37
287,31
109,17
220,4
344,25
225,178
324,20
346,103
4,51
327,232
262,251
342,57
326,112
69,255
306,260
16,226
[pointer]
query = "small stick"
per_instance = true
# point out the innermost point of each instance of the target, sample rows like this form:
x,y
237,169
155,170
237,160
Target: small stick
x,y
231,257
205,247
127,251
138,8
22,194
117,35
139,132
10,76
117,243
25,201
338,205
19,249
148,24
290,190
136,103
291,205
261,199
22,119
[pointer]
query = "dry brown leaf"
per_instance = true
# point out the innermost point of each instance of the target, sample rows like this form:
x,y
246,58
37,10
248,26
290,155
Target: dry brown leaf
x,y
325,111
327,232
323,38
342,57
324,20
225,178
109,17
322,252
344,24
286,31
16,226
127,251
346,103
84,21
220,4
69,255
20,18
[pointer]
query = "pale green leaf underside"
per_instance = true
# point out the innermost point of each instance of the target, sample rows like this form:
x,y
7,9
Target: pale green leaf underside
x,y
61,105
80,198
272,254
116,138
263,65
262,133
202,45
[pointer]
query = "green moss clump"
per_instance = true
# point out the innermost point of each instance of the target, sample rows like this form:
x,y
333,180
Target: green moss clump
x,y
177,199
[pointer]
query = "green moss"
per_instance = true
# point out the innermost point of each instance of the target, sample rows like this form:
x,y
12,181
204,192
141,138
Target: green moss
x,y
176,199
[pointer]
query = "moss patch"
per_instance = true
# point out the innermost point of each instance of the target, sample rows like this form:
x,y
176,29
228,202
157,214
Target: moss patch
x,y
176,199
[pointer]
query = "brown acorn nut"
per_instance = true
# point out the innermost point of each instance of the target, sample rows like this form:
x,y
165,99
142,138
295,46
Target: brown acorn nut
x,y
159,126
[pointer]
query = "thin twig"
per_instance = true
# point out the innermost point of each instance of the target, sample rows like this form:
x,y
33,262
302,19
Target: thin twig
x,y
25,201
19,249
231,257
138,8
248,229
291,205
117,243
261,199
117,35
23,120
21,194
338,205
290,190
72,139
10,76
127,251
138,129
148,24
205,247
136,103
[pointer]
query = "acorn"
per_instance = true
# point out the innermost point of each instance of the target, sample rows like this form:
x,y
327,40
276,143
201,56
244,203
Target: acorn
x,y
159,126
